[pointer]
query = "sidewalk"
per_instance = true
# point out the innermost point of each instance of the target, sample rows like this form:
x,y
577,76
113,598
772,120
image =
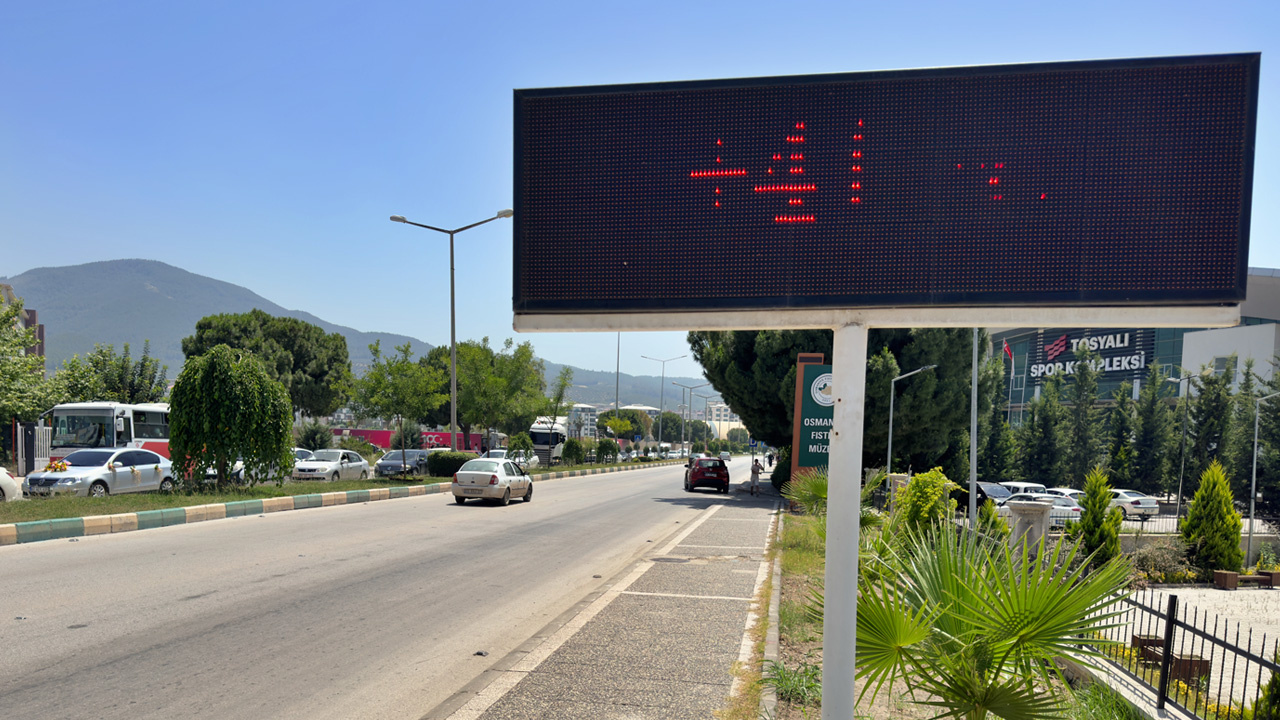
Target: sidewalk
x,y
658,644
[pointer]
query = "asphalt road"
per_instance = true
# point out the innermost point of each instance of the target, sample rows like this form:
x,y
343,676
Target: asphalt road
x,y
370,611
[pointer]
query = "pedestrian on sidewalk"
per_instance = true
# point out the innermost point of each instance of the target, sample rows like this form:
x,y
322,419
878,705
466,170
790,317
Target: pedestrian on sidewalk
x,y
756,468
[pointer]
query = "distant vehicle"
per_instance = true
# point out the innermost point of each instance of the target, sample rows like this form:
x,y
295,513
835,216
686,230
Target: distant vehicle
x,y
83,425
523,459
995,491
495,454
549,435
332,465
498,480
1064,508
724,455
301,454
986,491
1072,493
1024,487
103,472
402,462
1135,504
706,472
10,490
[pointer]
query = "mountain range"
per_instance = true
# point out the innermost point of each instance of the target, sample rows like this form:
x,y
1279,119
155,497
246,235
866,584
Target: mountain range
x,y
132,301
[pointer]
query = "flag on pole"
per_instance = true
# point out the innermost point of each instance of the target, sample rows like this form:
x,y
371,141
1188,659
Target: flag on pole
x,y
1007,351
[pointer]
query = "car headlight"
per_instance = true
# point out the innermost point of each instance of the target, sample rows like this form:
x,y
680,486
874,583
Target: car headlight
x,y
69,480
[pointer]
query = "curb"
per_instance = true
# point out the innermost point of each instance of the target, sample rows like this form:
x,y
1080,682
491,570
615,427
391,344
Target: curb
x,y
60,528
769,695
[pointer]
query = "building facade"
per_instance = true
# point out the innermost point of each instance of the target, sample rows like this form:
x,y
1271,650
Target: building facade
x,y
28,320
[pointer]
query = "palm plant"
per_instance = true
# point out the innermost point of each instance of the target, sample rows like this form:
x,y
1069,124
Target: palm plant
x,y
973,626
808,492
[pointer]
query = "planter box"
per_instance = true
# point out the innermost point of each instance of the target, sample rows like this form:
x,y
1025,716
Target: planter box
x,y
1148,646
1187,668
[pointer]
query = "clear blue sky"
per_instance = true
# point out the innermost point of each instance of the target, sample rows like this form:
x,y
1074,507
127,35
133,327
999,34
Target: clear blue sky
x,y
266,143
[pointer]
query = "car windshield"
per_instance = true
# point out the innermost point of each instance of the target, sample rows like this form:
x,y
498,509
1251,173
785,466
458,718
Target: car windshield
x,y
480,466
83,429
996,490
89,458
398,456
327,455
497,453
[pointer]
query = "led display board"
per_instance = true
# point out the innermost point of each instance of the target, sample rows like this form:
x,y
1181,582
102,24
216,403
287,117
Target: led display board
x,y
1119,182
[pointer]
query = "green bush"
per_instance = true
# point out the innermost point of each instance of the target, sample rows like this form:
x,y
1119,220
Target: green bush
x,y
1268,705
355,443
1162,559
1212,526
990,523
607,451
808,490
926,500
781,474
315,436
408,438
645,458
698,447
1099,526
446,463
520,443
573,452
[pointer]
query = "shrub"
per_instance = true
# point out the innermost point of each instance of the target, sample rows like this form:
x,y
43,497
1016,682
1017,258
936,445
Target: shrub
x,y
698,447
520,443
808,490
1099,526
1268,557
781,474
1162,560
367,450
407,438
573,452
315,435
1212,526
990,523
926,500
802,685
607,450
1268,705
446,463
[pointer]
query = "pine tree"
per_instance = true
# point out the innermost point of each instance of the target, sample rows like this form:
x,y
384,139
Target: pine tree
x,y
1212,526
1099,526
1238,453
1268,705
1084,431
1210,420
1041,444
1120,446
1153,436
996,456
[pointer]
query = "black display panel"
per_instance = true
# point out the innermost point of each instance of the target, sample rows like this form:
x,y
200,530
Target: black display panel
x,y
1089,183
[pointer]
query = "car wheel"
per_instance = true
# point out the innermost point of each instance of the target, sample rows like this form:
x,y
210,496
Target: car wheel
x,y
528,496
98,490
166,485
459,499
364,475
725,490
506,498
334,477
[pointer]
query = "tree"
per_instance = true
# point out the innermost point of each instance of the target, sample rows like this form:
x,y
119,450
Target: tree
x,y
996,445
672,425
397,386
520,444
311,364
1120,441
1269,445
1238,451
925,500
1210,419
1153,435
699,431
1099,526
573,452
315,435
75,381
125,381
607,451
559,390
638,423
739,435
23,392
226,406
1212,525
408,437
498,388
1040,440
1084,426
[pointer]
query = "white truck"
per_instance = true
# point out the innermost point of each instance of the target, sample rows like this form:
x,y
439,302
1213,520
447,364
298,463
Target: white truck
x,y
549,435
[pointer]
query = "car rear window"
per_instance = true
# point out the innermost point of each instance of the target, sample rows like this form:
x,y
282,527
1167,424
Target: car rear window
x,y
710,464
480,466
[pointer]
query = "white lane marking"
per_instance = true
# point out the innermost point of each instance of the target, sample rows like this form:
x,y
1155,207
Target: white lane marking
x,y
509,679
745,650
679,595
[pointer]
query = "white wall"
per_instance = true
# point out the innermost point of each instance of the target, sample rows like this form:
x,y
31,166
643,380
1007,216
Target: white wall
x,y
1260,342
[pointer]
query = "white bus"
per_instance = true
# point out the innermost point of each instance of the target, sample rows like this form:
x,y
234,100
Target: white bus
x,y
108,425
549,435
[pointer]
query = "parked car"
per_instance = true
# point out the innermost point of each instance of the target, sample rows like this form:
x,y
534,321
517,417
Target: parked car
x,y
706,472
1064,508
997,492
10,490
99,472
524,459
301,454
498,480
986,491
1135,504
1024,487
403,462
236,471
724,455
1072,493
332,465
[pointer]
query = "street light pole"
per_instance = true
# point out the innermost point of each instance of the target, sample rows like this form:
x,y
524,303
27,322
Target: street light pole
x,y
1253,486
1182,451
888,463
662,386
688,407
706,405
453,318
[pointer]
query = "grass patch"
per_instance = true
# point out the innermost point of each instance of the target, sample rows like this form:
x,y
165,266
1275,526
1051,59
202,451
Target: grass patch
x,y
66,506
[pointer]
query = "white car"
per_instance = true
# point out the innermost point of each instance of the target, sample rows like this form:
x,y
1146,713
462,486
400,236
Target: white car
x,y
99,472
1024,487
1064,508
524,459
724,455
332,465
499,480
1135,504
1072,493
10,490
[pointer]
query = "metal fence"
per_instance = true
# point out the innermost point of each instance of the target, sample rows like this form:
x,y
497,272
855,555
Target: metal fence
x,y
1200,662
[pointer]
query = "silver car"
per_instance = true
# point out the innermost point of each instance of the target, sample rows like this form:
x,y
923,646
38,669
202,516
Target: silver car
x,y
102,472
498,480
1064,508
332,465
9,488
1135,504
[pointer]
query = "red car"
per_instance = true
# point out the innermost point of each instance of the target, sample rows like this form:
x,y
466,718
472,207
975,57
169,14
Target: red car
x,y
706,472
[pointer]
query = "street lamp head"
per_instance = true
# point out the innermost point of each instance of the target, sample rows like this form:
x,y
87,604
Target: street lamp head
x,y
506,213
398,218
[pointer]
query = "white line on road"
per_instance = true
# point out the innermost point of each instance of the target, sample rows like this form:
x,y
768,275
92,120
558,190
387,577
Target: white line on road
x,y
680,595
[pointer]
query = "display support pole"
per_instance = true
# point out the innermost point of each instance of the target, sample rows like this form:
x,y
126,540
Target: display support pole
x,y
844,500
973,437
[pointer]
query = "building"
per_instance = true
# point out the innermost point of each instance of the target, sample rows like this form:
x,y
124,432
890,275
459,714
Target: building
x,y
1127,353
722,418
28,320
646,409
582,420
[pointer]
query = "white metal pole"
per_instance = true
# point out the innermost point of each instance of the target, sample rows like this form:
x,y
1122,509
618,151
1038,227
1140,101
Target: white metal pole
x,y
888,460
453,358
1013,369
839,625
1253,486
973,436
